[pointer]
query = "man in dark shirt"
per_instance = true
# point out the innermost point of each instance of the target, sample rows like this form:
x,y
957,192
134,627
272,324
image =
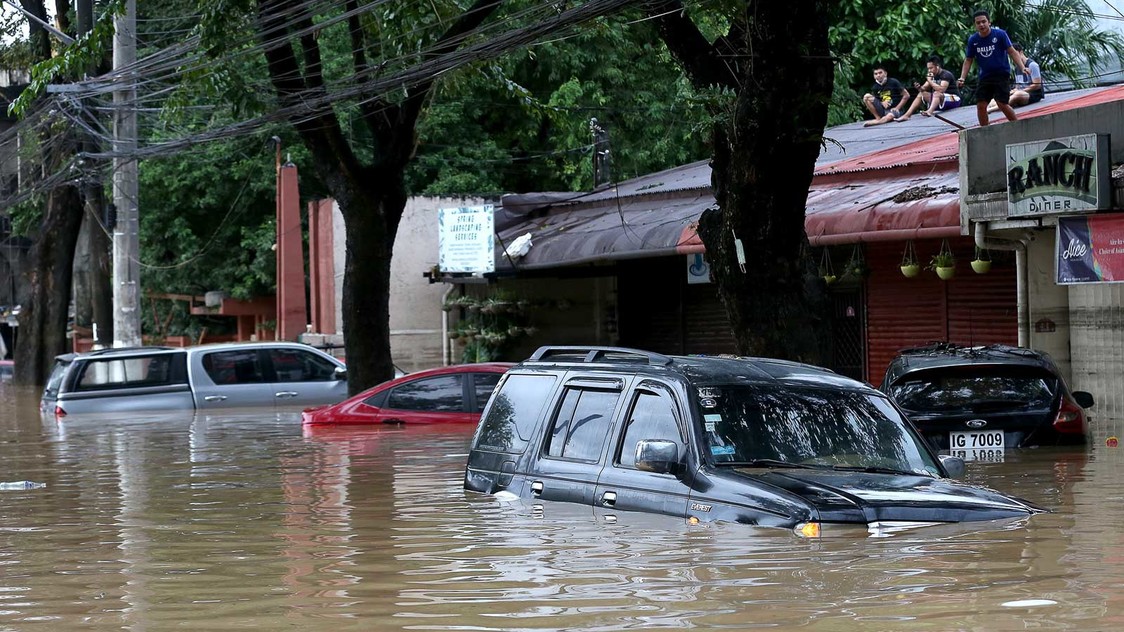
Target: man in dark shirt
x,y
887,98
938,93
990,47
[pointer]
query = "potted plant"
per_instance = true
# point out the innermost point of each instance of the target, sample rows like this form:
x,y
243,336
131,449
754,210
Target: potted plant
x,y
856,267
943,263
826,269
910,266
982,263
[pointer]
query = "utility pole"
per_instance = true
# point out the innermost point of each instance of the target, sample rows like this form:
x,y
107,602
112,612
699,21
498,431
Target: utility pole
x,y
126,239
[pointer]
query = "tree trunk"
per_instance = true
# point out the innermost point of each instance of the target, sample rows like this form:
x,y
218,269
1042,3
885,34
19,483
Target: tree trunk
x,y
45,295
776,61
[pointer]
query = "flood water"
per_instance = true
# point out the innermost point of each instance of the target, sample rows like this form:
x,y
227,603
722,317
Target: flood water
x,y
235,521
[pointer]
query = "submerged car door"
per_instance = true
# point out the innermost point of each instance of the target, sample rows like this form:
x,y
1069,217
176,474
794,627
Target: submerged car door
x,y
304,377
653,414
234,377
573,447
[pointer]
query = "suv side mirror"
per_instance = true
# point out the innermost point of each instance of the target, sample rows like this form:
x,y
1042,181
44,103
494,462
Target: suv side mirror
x,y
657,456
340,373
1083,399
954,465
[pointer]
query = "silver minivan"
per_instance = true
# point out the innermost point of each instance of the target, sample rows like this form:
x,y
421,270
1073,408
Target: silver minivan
x,y
269,374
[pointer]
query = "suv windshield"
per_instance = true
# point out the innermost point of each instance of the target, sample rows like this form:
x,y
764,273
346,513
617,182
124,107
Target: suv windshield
x,y
981,389
748,425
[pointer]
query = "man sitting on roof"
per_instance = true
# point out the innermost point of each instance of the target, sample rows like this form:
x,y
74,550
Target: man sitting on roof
x,y
1028,85
939,92
887,98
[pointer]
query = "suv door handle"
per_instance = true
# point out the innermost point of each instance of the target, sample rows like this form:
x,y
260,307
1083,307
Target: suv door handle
x,y
214,398
536,488
286,394
609,499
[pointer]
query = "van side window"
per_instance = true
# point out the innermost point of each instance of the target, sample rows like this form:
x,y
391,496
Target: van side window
x,y
580,427
120,372
234,367
651,416
514,414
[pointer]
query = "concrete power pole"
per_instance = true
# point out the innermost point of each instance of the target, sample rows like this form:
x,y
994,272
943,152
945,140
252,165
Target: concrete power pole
x,y
126,239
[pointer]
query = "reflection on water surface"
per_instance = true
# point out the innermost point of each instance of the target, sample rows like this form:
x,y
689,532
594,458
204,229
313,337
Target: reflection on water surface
x,y
242,520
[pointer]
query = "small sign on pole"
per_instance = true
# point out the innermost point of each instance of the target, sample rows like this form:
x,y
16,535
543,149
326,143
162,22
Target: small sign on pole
x,y
466,239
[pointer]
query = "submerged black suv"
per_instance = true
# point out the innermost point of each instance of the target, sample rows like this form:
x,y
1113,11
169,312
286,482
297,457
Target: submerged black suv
x,y
977,402
748,440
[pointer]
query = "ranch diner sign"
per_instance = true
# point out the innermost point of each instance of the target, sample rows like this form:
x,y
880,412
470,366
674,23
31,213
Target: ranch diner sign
x,y
1058,176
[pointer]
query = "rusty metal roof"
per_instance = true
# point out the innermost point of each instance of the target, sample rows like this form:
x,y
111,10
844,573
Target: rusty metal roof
x,y
902,185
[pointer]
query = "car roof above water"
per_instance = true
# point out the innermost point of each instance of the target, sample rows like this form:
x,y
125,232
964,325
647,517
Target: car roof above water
x,y
699,370
942,355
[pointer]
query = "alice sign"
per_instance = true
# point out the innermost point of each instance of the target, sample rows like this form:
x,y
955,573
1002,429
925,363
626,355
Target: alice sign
x,y
1059,176
466,239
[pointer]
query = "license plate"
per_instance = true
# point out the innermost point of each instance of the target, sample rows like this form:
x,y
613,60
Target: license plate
x,y
978,445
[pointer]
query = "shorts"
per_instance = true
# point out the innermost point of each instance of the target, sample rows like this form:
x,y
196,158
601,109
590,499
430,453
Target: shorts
x,y
950,101
883,110
1035,95
998,88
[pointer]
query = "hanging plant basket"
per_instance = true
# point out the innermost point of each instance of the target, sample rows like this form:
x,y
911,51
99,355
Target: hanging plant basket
x,y
856,267
910,266
827,271
982,263
943,263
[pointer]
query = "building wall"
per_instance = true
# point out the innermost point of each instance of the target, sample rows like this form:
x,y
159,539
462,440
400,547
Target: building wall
x,y
1049,303
416,315
1096,319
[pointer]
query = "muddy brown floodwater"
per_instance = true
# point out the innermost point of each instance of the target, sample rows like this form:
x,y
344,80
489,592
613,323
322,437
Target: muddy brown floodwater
x,y
240,520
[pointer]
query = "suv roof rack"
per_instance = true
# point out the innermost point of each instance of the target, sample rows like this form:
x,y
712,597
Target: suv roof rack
x,y
598,354
127,349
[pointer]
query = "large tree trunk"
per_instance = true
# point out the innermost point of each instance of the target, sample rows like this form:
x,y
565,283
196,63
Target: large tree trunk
x,y
776,61
45,294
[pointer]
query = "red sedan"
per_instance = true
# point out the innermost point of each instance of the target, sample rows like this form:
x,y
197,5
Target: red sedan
x,y
451,394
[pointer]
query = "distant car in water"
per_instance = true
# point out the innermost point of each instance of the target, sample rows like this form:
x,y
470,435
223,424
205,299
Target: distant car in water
x,y
978,402
274,374
452,394
7,370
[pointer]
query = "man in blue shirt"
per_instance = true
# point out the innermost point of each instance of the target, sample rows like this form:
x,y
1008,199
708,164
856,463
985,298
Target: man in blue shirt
x,y
990,47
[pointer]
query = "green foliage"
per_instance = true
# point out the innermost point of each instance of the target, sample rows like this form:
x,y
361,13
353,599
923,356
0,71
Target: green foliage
x,y
84,53
491,324
1063,37
522,123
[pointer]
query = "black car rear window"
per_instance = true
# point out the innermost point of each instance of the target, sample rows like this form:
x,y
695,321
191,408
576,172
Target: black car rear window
x,y
514,413
976,389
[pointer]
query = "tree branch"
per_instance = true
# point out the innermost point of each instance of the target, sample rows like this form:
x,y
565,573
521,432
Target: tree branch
x,y
699,59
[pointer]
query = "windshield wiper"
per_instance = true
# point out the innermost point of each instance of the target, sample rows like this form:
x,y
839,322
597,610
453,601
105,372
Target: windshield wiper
x,y
870,469
775,463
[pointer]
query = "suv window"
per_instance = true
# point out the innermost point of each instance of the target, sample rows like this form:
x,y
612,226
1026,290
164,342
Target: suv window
x,y
436,394
651,416
514,413
484,384
96,374
299,365
234,367
581,425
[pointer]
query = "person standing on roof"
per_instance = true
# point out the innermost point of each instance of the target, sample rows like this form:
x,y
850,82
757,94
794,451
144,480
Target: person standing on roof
x,y
990,47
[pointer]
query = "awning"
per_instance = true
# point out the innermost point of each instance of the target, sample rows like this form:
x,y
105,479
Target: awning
x,y
607,231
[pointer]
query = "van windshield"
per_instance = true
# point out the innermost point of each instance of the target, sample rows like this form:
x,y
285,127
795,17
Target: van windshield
x,y
747,425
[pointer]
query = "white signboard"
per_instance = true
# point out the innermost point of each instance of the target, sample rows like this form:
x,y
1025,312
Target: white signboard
x,y
466,239
1058,176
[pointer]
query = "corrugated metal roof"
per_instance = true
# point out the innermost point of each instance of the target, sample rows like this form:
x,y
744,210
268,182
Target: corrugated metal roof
x,y
906,188
645,228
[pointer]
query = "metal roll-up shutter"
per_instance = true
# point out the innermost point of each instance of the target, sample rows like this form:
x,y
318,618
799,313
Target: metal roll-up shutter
x,y
901,312
705,323
983,308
